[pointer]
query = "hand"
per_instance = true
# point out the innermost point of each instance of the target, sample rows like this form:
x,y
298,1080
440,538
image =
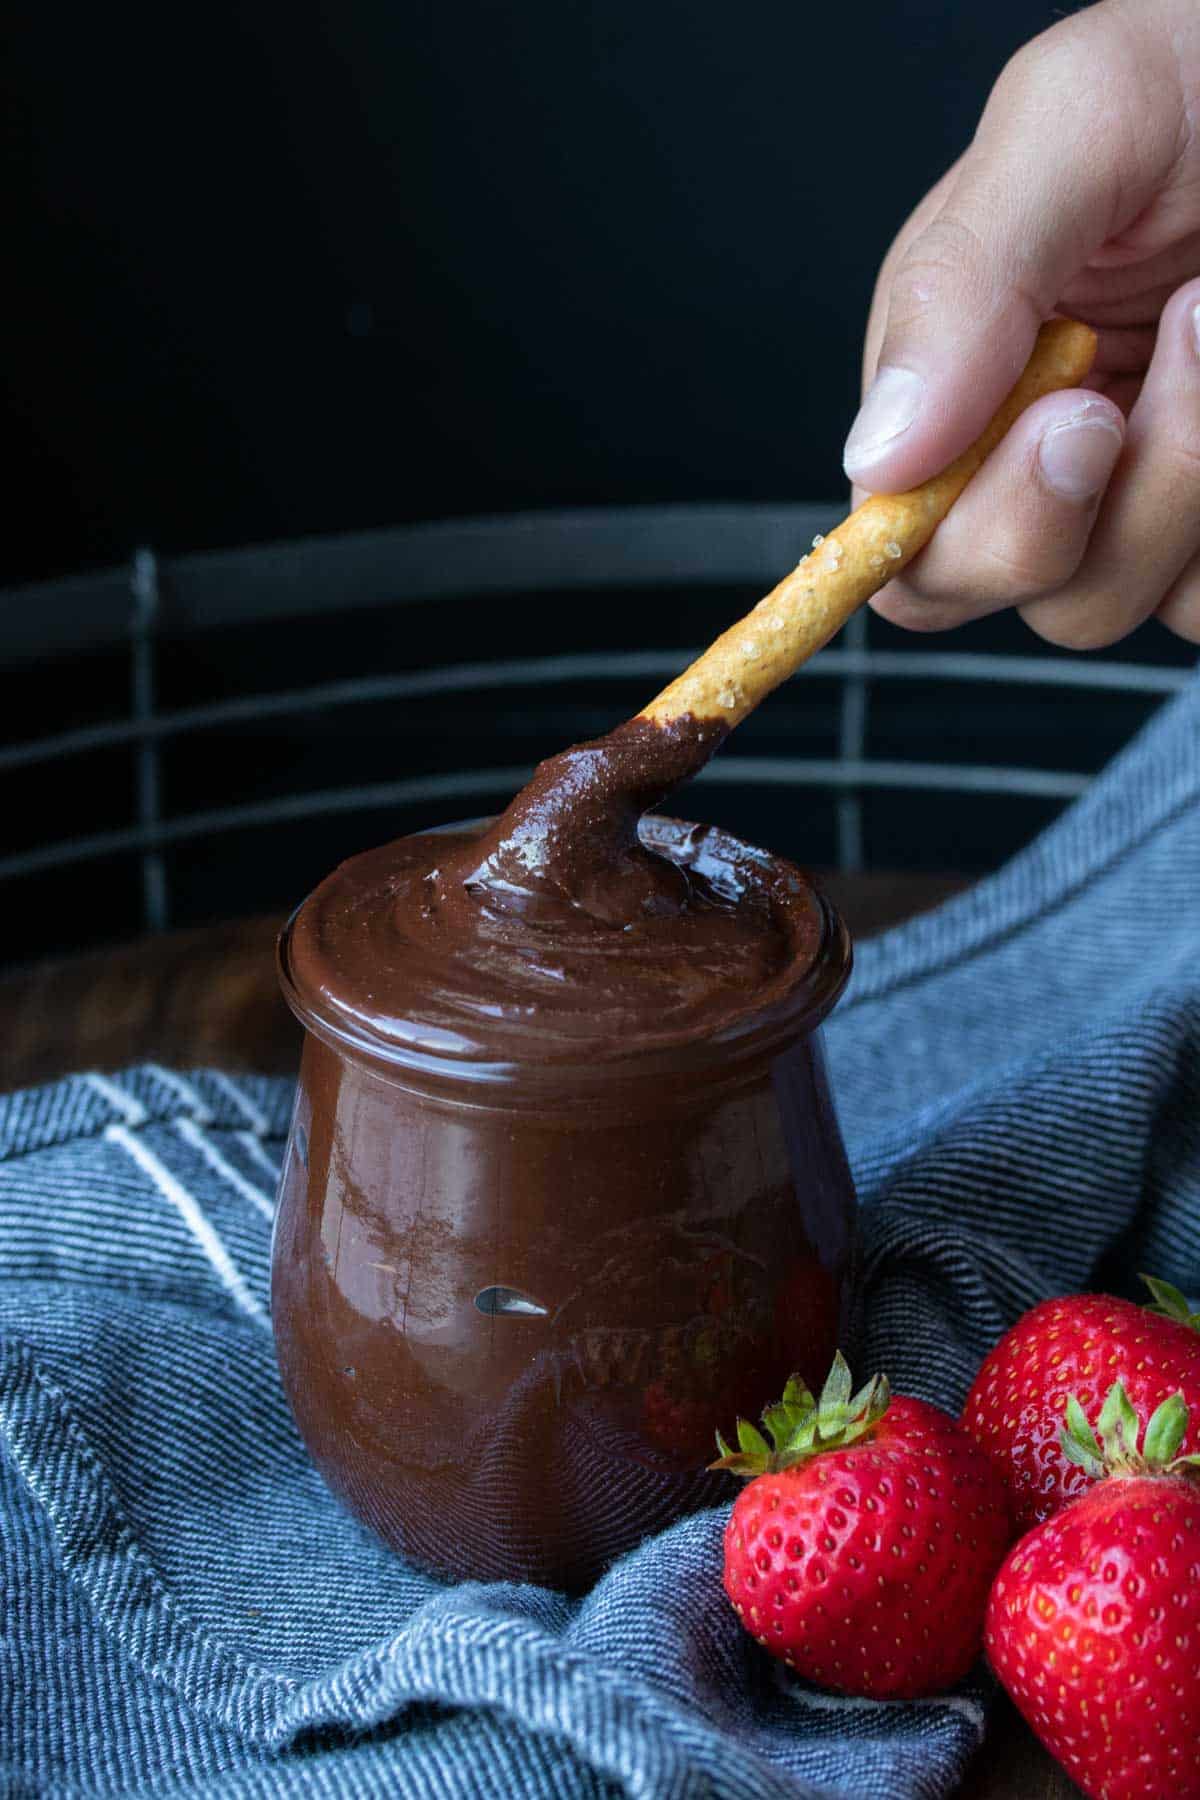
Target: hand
x,y
1081,195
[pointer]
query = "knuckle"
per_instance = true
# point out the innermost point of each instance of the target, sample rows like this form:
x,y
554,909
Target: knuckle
x,y
1185,624
1180,611
918,221
952,267
1080,621
1047,66
901,604
1020,570
1004,572
936,261
1036,64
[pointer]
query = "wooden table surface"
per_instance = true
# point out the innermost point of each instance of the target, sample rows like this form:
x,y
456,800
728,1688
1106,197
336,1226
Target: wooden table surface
x,y
209,997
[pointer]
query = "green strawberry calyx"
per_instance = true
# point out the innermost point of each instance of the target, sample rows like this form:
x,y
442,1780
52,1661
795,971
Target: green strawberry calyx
x,y
1170,1303
800,1427
1112,1448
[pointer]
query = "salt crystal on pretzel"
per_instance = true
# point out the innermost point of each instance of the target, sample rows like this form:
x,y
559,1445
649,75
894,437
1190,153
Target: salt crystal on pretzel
x,y
848,565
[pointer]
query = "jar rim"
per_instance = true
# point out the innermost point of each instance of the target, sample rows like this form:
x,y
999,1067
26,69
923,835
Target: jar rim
x,y
792,1011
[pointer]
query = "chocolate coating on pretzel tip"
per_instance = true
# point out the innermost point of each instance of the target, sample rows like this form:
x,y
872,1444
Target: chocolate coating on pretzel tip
x,y
574,925
569,841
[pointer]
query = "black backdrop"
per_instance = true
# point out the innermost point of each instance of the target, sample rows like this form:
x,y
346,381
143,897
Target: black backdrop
x,y
277,269
285,267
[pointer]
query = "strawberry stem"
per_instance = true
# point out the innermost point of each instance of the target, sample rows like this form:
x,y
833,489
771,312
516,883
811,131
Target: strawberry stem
x,y
1170,1303
1166,1429
800,1427
1115,1451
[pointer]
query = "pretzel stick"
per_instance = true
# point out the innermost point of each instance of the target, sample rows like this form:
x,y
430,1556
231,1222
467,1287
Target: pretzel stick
x,y
855,560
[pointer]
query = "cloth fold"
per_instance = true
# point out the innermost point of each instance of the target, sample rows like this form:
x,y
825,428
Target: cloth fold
x,y
187,1611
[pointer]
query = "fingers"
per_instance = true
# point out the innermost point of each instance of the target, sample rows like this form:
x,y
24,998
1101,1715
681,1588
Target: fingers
x,y
1180,611
1148,529
1087,523
1022,524
1012,227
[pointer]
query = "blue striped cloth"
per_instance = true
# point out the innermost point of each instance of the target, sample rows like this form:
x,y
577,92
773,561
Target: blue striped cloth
x,y
186,1611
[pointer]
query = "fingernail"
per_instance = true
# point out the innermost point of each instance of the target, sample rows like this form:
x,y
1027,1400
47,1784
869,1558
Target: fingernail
x,y
1196,325
1078,456
892,403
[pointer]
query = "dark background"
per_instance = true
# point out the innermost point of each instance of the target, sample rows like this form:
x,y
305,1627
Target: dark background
x,y
286,269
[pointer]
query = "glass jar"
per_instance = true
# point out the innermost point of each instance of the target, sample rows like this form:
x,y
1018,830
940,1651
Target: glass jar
x,y
512,1305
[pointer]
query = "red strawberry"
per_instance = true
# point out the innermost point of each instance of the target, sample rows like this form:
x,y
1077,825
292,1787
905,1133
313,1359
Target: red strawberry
x,y
1080,1344
864,1546
1094,1620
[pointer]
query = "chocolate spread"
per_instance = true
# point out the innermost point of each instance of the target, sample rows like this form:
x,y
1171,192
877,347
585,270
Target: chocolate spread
x,y
564,1189
569,928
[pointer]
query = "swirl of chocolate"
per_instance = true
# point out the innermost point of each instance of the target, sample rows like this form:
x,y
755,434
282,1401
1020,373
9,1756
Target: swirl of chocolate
x,y
574,927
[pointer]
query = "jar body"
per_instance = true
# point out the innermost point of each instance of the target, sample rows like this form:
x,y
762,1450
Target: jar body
x,y
508,1332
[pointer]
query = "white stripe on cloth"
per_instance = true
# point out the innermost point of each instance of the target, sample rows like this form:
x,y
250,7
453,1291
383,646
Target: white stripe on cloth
x,y
254,1115
131,1110
191,1096
253,1147
191,1133
194,1218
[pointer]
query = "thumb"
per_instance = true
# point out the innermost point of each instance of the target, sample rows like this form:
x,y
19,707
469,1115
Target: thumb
x,y
1050,176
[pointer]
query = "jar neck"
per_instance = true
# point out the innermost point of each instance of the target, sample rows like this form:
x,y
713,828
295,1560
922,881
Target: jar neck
x,y
646,1078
